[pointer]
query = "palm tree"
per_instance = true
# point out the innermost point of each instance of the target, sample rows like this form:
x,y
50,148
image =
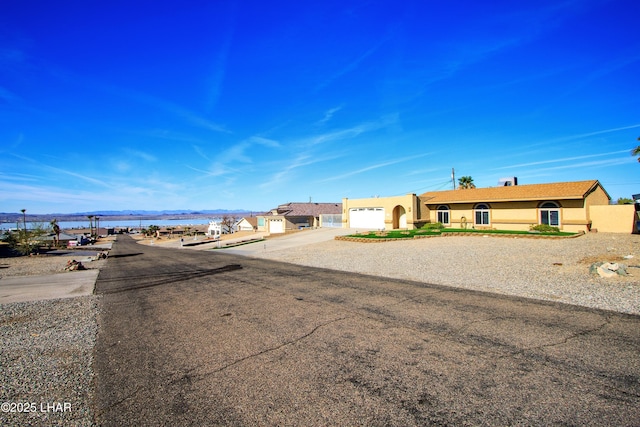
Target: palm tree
x,y
466,182
636,151
56,229
24,219
90,224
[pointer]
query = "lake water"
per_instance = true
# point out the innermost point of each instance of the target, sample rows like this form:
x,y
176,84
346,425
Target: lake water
x,y
129,223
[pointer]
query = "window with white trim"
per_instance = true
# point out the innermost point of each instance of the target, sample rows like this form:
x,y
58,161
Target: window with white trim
x,y
550,214
443,214
481,214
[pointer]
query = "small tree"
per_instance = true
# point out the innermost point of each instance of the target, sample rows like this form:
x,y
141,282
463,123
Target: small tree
x,y
624,201
27,241
228,222
153,230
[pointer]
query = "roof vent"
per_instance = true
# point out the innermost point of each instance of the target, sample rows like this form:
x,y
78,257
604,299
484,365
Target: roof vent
x,y
508,182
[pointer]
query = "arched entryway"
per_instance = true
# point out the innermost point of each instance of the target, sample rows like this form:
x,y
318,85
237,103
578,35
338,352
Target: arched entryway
x,y
399,217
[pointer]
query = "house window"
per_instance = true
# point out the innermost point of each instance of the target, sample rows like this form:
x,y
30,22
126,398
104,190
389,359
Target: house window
x,y
550,214
481,214
443,214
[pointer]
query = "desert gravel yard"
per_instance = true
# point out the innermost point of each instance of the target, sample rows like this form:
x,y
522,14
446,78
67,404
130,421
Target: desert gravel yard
x,y
547,269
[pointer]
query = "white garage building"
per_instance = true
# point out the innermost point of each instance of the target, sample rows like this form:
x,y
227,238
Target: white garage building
x,y
295,216
381,213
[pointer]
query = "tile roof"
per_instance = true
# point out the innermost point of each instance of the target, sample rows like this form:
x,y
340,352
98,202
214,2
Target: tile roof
x,y
308,209
253,220
553,191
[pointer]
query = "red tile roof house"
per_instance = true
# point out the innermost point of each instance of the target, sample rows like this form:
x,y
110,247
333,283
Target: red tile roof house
x,y
295,216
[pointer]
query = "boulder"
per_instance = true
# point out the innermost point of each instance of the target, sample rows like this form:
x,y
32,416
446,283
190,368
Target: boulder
x,y
608,269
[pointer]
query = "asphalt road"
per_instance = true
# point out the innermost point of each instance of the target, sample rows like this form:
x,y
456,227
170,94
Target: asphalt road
x,y
207,338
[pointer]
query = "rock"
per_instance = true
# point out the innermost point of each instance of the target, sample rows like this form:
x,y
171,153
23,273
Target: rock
x,y
608,269
605,272
73,265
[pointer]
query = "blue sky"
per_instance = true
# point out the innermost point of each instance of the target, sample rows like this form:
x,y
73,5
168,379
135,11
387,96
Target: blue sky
x,y
250,104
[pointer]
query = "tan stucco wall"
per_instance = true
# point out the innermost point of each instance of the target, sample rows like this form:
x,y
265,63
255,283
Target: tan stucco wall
x,y
613,218
409,202
517,215
575,215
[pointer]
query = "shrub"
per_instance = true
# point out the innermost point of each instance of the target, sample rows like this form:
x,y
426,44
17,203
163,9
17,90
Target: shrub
x,y
544,228
433,226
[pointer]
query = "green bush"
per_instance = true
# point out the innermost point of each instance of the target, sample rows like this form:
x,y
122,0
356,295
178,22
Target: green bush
x,y
544,228
433,226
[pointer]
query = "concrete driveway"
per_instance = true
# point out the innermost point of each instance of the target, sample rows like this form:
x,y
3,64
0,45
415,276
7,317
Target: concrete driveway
x,y
277,242
36,288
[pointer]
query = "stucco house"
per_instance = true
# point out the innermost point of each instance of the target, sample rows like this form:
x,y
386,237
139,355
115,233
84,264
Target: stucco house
x,y
216,229
293,216
246,224
571,206
517,207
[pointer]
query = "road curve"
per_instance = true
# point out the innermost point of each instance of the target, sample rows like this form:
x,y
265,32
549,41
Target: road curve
x,y
208,338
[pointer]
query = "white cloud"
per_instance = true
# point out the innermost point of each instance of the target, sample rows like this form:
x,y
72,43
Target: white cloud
x,y
372,167
328,115
565,159
141,154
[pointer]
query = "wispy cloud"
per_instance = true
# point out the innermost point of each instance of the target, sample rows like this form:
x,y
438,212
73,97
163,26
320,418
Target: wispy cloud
x,y
12,145
7,96
594,164
565,159
298,162
234,159
328,115
201,152
352,65
352,132
158,103
182,112
372,167
141,155
82,177
264,141
590,134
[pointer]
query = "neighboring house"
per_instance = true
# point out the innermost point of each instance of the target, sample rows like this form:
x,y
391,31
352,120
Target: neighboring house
x,y
65,239
216,229
246,224
293,216
570,206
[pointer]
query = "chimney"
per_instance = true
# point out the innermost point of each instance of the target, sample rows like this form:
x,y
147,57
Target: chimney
x,y
508,182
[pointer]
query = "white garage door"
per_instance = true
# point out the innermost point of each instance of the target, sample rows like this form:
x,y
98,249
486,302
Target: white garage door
x,y
372,218
276,226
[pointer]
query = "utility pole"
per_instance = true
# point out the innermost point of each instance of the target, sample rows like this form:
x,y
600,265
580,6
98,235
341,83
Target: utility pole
x,y
453,178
